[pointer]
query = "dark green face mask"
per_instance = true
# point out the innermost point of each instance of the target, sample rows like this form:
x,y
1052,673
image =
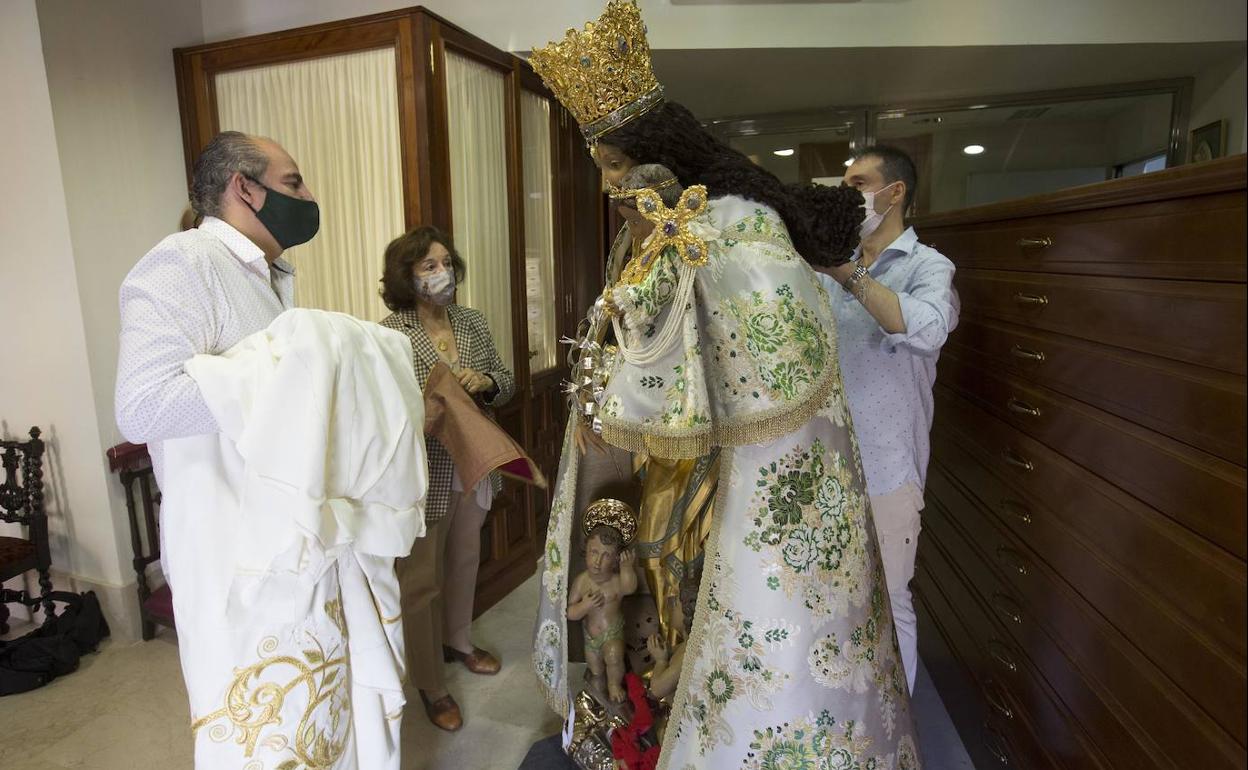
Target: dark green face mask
x,y
291,221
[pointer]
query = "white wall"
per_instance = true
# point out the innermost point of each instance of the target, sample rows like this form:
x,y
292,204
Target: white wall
x,y
118,133
94,177
520,25
45,379
1220,94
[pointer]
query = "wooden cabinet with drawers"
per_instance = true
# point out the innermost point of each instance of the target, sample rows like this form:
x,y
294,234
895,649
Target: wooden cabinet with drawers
x,y
1081,575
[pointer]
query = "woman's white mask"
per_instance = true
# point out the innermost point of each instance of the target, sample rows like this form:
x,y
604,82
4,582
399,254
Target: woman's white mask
x,y
438,288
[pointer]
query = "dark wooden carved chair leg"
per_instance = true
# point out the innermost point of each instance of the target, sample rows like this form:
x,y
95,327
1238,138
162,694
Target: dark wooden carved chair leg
x,y
21,502
134,468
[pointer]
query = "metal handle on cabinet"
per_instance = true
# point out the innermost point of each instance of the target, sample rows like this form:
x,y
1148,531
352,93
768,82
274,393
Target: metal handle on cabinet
x,y
1042,242
1022,407
1027,355
1016,509
1012,559
1000,652
1014,459
995,743
997,702
1006,606
1038,300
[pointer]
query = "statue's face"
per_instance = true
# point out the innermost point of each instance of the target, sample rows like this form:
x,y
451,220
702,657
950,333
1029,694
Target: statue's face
x,y
613,163
638,226
602,560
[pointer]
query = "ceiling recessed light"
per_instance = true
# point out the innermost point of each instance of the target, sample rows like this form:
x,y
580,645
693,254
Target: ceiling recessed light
x,y
973,149
783,153
978,107
849,162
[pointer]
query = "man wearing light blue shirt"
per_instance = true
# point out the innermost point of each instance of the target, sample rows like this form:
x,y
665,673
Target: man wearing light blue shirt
x,y
895,306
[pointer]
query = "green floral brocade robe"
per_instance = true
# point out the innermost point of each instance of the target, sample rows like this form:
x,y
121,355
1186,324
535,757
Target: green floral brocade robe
x,y
792,662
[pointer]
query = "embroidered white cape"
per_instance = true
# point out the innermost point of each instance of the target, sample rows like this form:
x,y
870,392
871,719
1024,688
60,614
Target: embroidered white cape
x,y
278,541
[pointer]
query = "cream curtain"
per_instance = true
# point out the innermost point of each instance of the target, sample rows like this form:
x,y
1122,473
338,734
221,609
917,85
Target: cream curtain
x,y
539,235
476,102
338,118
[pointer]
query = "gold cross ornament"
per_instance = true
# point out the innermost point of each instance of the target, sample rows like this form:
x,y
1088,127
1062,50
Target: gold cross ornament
x,y
671,228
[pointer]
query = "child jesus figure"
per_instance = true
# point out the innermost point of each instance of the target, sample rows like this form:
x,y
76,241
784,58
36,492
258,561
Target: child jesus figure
x,y
596,594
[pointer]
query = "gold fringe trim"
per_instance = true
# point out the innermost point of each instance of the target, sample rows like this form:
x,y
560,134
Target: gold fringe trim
x,y
759,428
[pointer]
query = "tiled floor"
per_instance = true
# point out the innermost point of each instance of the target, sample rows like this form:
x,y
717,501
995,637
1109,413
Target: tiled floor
x,y
125,708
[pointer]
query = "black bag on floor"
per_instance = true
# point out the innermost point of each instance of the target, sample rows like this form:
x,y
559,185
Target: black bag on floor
x,y
53,649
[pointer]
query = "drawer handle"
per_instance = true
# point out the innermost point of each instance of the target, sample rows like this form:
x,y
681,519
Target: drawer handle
x,y
1014,459
1001,654
1043,242
1027,355
997,702
1012,559
1024,298
1022,407
1006,606
1016,509
996,744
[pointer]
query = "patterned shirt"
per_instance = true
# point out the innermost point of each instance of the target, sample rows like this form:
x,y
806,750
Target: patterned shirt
x,y
889,377
476,351
198,291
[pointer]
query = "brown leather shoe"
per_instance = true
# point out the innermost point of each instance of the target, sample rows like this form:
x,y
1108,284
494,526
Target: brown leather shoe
x,y
478,661
444,712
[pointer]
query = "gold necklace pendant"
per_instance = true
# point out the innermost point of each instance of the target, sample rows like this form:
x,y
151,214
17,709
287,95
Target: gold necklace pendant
x,y
442,346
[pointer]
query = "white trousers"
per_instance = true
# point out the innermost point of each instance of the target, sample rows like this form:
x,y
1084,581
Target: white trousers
x,y
897,526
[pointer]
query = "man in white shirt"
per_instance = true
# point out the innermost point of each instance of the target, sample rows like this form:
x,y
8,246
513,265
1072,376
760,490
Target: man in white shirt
x,y
895,306
203,290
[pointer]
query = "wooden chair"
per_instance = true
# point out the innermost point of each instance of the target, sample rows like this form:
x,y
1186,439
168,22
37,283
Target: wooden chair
x,y
133,466
21,502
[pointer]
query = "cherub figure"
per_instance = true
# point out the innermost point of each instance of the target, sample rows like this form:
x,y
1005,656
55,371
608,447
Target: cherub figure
x,y
596,594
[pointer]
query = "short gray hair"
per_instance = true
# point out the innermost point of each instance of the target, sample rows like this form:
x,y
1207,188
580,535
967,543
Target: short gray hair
x,y
229,151
653,175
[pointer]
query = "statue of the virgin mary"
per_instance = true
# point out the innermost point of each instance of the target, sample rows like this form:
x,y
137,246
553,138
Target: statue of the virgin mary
x,y
725,345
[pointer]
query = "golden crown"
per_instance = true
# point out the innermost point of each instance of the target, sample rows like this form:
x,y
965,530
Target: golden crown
x,y
602,74
615,514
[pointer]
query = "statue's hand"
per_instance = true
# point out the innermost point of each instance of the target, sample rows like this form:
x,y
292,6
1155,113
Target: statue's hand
x,y
657,649
628,559
595,597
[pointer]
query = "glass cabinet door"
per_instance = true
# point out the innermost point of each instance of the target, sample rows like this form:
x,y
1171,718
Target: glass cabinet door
x,y
476,100
541,302
337,116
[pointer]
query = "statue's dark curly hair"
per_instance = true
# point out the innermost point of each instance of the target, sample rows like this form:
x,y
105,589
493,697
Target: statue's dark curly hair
x,y
822,221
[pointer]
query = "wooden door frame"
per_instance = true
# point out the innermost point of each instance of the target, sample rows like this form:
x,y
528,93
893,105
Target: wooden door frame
x,y
421,40
197,67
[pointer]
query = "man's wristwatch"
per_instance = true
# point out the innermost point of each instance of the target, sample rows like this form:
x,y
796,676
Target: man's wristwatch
x,y
851,283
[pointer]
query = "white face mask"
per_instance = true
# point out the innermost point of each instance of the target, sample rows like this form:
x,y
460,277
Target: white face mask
x,y
438,288
873,219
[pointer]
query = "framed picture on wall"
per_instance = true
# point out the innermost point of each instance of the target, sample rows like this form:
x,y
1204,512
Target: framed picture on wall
x,y
1208,142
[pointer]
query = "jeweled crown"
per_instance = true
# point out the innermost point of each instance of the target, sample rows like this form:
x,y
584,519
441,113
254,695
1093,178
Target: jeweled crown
x,y
602,73
616,514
